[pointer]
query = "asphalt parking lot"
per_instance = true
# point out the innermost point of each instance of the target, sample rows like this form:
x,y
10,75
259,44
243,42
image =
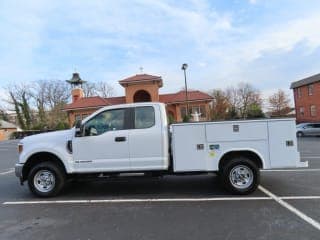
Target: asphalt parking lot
x,y
286,206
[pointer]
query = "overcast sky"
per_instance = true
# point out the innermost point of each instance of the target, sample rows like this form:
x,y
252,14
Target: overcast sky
x,y
269,43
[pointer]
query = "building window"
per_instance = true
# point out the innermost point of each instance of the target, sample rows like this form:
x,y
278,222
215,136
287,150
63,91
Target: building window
x,y
78,117
310,89
203,111
84,116
301,110
199,109
299,92
194,109
183,111
313,111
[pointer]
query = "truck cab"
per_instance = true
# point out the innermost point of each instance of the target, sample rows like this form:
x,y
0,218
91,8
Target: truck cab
x,y
123,138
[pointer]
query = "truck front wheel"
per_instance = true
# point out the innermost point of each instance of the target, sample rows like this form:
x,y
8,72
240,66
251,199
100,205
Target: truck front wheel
x,y
240,176
46,179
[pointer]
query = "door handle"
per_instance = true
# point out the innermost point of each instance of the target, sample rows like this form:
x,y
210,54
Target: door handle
x,y
120,139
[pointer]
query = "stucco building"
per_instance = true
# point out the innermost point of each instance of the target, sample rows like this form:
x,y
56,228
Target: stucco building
x,y
307,99
6,129
139,88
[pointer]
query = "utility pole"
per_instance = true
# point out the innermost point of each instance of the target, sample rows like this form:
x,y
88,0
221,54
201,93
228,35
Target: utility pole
x,y
184,67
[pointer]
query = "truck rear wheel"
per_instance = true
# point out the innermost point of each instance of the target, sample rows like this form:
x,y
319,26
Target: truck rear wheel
x,y
46,179
240,176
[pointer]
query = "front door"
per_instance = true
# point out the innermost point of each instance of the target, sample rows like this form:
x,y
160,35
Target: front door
x,y
103,145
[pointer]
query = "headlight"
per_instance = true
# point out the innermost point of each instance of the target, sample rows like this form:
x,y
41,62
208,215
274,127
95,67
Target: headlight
x,y
20,148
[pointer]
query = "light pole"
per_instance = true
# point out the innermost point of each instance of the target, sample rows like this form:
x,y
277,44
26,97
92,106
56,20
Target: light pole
x,y
184,67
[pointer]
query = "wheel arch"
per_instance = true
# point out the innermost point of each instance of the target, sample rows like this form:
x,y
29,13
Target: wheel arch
x,y
40,157
250,154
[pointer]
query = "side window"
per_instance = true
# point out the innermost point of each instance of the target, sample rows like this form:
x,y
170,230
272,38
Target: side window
x,y
144,117
110,120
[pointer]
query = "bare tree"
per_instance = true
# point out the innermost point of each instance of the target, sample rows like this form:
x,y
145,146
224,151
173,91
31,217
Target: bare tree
x,y
248,96
244,101
56,92
20,98
220,104
39,95
89,89
279,103
102,89
39,105
233,102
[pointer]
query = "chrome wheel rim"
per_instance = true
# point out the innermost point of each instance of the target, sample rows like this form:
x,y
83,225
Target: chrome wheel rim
x,y
241,176
44,181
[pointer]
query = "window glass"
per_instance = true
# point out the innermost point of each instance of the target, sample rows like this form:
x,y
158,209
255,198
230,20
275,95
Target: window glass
x,y
313,111
195,109
110,120
84,116
203,111
183,111
310,89
299,92
77,117
301,110
144,117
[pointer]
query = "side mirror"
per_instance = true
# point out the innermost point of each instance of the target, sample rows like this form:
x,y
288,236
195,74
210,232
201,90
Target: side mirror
x,y
78,127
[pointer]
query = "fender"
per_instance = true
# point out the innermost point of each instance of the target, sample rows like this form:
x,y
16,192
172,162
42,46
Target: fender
x,y
65,157
264,165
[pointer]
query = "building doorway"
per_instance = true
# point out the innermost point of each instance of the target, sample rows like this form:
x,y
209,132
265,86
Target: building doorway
x,y
141,96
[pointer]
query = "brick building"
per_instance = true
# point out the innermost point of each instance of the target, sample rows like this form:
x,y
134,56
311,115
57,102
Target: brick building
x,y
307,99
138,88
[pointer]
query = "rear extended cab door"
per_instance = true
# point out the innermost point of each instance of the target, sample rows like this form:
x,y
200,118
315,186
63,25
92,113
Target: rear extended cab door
x,y
147,139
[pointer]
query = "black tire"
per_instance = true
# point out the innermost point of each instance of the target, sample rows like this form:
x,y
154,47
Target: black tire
x,y
299,134
251,172
58,177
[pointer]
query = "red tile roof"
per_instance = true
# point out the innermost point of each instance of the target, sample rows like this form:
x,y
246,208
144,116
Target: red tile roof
x,y
116,100
141,78
87,102
96,102
180,96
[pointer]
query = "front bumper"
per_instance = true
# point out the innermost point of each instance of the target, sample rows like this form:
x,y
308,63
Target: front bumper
x,y
18,171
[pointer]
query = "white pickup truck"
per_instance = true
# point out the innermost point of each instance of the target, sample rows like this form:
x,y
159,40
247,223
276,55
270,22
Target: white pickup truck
x,y
135,138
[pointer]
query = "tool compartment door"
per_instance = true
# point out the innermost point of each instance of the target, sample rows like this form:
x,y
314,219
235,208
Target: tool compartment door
x,y
189,147
283,144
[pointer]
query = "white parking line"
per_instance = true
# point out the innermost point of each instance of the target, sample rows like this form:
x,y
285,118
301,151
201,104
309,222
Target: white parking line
x,y
300,197
291,170
149,200
141,200
291,208
11,170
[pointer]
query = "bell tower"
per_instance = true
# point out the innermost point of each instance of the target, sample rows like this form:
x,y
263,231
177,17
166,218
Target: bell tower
x,y
76,84
142,88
